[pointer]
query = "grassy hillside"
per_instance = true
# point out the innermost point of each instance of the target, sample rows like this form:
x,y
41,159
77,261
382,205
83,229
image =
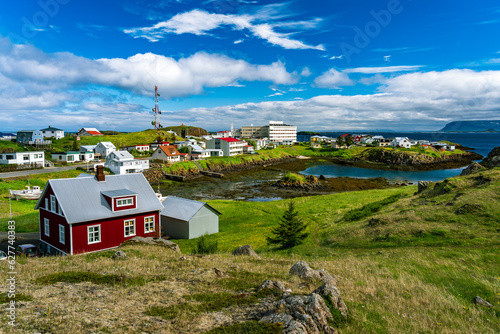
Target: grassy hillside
x,y
406,263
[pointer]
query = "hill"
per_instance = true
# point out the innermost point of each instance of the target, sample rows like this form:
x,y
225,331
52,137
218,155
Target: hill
x,y
184,131
472,126
405,262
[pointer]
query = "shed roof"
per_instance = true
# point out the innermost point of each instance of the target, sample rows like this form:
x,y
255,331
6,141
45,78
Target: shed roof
x,y
182,208
81,198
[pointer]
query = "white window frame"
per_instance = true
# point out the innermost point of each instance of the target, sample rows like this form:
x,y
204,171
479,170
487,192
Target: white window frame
x,y
125,199
129,225
46,227
96,240
62,234
53,204
46,204
147,222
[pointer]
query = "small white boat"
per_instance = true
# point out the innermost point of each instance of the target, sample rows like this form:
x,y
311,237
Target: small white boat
x,y
27,193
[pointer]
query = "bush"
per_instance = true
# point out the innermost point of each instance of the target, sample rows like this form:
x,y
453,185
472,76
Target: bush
x,y
203,246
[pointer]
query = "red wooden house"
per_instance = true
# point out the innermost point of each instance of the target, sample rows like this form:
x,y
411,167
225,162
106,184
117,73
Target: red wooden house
x,y
92,213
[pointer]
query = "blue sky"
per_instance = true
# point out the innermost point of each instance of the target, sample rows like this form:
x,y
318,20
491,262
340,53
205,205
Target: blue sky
x,y
322,65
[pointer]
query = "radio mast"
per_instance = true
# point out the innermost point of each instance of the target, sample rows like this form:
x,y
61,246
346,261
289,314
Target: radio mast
x,y
156,111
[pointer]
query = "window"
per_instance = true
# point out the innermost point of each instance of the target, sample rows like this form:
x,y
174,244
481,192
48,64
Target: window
x,y
26,157
149,224
62,237
52,203
46,227
129,227
46,203
94,234
125,201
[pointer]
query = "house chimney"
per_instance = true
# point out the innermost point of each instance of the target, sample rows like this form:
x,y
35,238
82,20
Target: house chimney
x,y
100,173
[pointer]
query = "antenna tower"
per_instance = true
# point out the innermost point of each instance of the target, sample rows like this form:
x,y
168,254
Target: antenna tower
x,y
157,111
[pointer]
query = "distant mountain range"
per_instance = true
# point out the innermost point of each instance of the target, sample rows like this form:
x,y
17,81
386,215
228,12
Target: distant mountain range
x,y
472,126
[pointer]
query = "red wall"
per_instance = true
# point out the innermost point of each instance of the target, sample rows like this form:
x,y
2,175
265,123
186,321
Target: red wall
x,y
112,232
54,221
133,206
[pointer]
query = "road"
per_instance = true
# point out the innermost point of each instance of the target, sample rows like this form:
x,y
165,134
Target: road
x,y
38,171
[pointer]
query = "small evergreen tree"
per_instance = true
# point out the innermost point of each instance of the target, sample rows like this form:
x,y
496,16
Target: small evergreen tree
x,y
290,229
340,141
348,140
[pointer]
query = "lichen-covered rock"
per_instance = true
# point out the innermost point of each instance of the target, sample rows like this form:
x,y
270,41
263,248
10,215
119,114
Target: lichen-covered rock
x,y
152,241
480,301
272,285
301,314
245,250
422,185
120,255
472,168
330,291
303,270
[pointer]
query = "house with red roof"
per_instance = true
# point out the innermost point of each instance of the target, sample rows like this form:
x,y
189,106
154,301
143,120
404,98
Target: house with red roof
x,y
89,132
167,153
229,146
93,213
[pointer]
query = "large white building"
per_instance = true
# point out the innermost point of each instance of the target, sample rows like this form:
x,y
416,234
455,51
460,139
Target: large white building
x,y
122,162
23,158
276,131
51,132
230,146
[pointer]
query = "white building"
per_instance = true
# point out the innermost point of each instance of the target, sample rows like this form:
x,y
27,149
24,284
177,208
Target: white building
x,y
104,148
279,132
401,142
70,156
223,134
167,153
87,148
89,132
51,132
122,162
230,146
23,158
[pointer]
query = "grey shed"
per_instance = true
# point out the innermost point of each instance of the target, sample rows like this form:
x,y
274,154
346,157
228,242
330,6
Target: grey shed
x,y
187,219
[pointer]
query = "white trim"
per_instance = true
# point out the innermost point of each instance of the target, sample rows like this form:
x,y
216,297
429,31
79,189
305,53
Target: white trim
x,y
53,208
55,213
54,247
71,238
125,228
45,228
64,234
125,198
46,204
154,223
100,238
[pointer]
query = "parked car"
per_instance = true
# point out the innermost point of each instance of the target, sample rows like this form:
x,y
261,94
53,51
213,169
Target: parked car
x,y
29,250
3,256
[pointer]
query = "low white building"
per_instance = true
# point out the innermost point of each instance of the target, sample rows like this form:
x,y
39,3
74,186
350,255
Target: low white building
x,y
70,156
23,158
230,146
139,148
214,152
167,153
122,162
104,148
87,148
51,132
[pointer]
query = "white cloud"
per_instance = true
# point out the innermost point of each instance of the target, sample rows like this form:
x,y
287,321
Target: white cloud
x,y
199,22
333,79
382,69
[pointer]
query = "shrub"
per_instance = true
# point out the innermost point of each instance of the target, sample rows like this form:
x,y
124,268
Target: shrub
x,y
203,246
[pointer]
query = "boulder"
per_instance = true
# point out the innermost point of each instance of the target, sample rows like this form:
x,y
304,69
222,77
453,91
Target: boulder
x,y
422,185
303,270
272,285
472,168
301,314
493,158
480,301
245,250
329,290
120,255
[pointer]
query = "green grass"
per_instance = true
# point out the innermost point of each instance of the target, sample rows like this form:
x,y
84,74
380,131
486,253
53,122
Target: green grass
x,y
249,327
18,297
110,279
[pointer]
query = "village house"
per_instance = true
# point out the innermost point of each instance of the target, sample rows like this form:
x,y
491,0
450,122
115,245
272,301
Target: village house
x,y
23,158
51,132
154,146
139,148
92,213
31,137
87,148
167,154
403,142
229,146
223,134
384,142
187,219
248,149
316,145
89,132
7,136
104,148
69,156
122,162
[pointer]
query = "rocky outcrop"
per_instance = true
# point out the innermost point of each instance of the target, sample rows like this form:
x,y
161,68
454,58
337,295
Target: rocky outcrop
x,y
120,255
480,301
245,250
330,292
272,285
493,158
311,183
472,168
303,270
152,241
301,314
422,185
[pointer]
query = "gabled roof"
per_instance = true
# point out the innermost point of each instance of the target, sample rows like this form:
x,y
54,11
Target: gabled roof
x,y
51,129
182,208
107,144
92,131
123,155
82,200
169,150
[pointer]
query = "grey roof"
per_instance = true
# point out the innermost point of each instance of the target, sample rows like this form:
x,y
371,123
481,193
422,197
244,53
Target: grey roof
x,y
81,198
123,155
107,144
182,208
118,193
51,129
